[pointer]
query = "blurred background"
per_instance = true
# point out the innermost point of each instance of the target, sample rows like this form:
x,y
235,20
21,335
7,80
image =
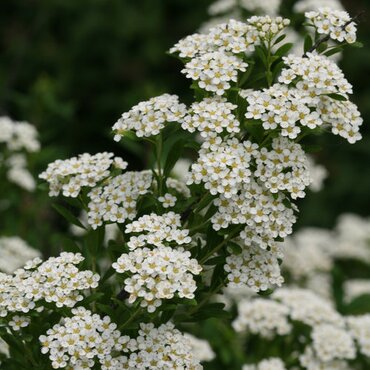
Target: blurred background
x,y
72,67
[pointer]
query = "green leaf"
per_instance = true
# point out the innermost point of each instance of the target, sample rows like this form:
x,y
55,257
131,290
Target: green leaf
x,y
337,97
358,306
279,39
246,75
262,56
333,51
212,310
235,248
215,261
167,315
174,153
284,49
357,44
92,298
110,272
322,47
308,43
254,127
265,293
68,216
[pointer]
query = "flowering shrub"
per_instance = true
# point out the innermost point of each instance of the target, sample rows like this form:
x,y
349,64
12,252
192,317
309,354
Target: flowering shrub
x,y
115,305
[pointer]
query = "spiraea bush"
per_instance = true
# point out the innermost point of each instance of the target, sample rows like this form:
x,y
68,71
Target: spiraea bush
x,y
127,302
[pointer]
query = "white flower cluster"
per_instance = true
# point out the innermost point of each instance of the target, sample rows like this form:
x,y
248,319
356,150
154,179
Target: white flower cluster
x,y
266,217
71,175
284,168
351,239
161,348
157,230
272,363
306,104
179,186
211,115
318,175
264,317
85,340
306,253
18,173
57,280
223,166
116,198
330,343
335,23
14,253
318,74
302,6
18,135
148,118
309,360
282,108
307,307
310,255
332,338
80,341
214,71
270,7
359,327
158,274
215,56
256,268
200,348
268,27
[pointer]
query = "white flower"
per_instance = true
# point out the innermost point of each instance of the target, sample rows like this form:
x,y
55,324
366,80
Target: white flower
x,y
167,200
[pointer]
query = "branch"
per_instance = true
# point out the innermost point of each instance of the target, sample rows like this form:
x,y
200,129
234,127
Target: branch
x,y
327,37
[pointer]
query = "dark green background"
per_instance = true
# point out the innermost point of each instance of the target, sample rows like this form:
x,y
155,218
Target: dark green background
x,y
72,67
